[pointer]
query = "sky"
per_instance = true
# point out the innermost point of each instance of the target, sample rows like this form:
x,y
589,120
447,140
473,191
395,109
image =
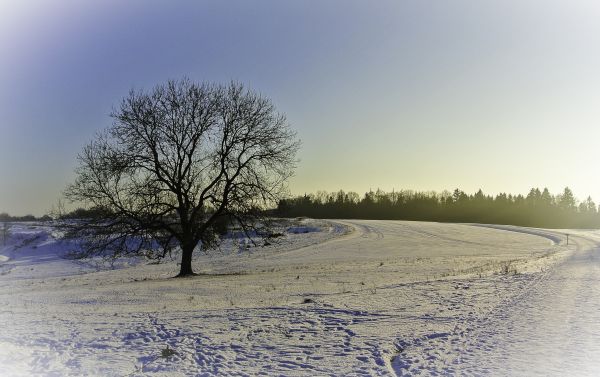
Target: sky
x,y
426,95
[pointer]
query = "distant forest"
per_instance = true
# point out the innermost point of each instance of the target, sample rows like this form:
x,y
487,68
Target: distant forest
x,y
538,209
5,217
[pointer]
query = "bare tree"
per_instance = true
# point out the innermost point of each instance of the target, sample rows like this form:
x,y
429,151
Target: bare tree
x,y
176,162
5,232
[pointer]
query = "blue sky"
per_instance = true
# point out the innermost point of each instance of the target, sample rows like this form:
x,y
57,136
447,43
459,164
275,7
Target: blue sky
x,y
498,95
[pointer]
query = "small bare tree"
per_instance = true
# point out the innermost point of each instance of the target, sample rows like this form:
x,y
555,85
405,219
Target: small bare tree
x,y
5,232
176,162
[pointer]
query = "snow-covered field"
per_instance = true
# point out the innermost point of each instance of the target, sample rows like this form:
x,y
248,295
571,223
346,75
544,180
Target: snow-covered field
x,y
335,298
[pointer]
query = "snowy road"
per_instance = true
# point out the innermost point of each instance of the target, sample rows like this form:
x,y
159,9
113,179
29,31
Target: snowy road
x,y
551,328
554,327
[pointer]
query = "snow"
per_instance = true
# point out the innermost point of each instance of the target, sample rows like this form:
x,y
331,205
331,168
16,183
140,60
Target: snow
x,y
324,298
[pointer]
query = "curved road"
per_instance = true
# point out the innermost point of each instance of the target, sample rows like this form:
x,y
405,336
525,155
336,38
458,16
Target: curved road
x,y
550,329
553,329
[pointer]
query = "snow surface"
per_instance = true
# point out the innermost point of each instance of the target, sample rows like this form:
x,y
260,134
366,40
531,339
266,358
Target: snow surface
x,y
332,298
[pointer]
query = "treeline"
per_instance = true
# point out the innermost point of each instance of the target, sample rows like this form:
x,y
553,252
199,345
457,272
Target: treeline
x,y
79,213
537,209
5,217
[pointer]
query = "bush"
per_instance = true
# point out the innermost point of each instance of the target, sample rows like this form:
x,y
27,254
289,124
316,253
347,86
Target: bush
x,y
167,352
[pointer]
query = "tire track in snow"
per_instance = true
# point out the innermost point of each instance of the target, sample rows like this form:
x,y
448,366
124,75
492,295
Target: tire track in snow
x,y
555,237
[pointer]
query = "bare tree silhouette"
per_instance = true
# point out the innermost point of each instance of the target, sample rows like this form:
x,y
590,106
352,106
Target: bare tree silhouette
x,y
175,164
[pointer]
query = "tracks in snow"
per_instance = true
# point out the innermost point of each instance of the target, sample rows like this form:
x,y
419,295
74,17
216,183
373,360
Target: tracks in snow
x,y
293,341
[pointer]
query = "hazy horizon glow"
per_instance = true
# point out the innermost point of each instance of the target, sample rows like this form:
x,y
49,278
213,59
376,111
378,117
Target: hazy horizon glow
x,y
498,95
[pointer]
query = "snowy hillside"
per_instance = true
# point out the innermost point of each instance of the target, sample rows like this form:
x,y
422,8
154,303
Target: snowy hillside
x,y
326,298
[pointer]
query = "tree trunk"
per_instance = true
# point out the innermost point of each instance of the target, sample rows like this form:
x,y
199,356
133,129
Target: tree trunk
x,y
186,261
